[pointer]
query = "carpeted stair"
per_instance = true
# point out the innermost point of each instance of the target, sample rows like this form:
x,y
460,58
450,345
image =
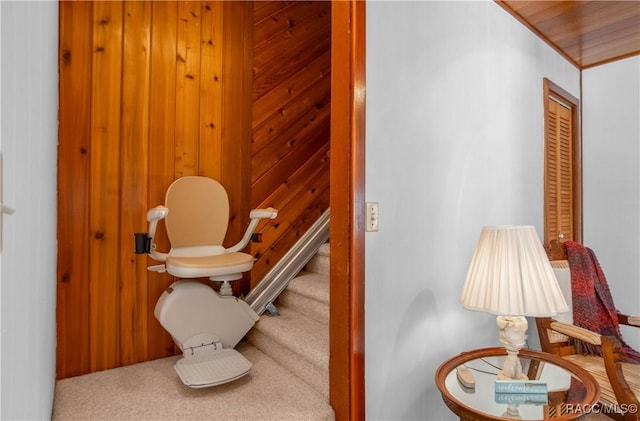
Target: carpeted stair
x,y
298,338
289,379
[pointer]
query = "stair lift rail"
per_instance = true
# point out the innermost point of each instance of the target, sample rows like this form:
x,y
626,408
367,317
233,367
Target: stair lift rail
x,y
277,279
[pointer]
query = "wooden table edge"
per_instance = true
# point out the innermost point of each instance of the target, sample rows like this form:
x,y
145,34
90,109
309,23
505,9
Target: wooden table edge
x,y
591,397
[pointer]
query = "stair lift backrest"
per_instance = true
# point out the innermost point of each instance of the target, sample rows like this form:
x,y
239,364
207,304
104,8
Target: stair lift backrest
x,y
198,214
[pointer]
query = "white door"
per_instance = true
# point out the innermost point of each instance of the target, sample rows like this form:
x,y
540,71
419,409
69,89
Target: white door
x,y
28,144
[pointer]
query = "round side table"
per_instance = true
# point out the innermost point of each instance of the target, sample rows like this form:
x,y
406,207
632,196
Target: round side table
x,y
571,390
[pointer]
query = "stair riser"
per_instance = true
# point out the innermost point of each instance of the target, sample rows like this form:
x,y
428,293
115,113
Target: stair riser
x,y
324,250
298,338
307,306
319,264
301,334
316,377
311,285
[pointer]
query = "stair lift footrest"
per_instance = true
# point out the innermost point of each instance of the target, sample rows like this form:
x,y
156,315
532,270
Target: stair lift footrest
x,y
212,369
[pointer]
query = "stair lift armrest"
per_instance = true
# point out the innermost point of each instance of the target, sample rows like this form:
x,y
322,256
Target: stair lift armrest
x,y
153,216
256,215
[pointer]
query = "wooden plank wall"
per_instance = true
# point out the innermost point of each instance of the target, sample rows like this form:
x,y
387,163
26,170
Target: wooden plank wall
x,y
152,91
290,121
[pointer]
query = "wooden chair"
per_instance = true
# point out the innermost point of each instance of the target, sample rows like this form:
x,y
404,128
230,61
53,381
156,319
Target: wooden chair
x,y
619,382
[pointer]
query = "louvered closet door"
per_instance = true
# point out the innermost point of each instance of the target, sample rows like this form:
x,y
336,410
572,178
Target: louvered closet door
x,y
559,223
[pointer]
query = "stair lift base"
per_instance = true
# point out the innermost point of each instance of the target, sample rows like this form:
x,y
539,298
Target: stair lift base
x,y
206,327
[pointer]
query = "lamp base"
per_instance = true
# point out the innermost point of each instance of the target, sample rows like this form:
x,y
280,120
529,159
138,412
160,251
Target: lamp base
x,y
503,376
512,336
512,412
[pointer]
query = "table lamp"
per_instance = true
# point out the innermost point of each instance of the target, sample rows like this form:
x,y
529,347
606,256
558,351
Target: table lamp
x,y
510,276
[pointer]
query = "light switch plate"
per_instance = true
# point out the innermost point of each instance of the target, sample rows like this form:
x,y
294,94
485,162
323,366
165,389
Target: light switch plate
x,y
372,216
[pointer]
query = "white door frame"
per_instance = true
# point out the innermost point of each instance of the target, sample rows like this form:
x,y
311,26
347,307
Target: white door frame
x,y
28,137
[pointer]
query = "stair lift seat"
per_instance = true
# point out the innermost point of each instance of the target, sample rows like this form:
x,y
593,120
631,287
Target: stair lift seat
x,y
205,325
209,266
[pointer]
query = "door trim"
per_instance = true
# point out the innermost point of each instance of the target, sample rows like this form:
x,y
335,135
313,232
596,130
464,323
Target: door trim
x,y
347,201
563,97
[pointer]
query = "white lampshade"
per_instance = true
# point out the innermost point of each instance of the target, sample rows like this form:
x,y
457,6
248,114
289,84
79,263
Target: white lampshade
x,y
510,274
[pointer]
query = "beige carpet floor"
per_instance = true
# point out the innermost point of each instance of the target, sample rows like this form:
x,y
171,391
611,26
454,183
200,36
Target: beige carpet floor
x,y
153,391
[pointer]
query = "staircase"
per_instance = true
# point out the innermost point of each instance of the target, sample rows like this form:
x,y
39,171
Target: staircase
x,y
298,338
289,379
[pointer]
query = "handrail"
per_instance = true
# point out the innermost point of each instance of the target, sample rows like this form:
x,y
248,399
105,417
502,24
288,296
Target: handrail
x,y
277,279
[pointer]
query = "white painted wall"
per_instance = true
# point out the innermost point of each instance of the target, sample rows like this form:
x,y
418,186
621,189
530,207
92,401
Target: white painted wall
x,y
28,133
1,213
454,142
611,148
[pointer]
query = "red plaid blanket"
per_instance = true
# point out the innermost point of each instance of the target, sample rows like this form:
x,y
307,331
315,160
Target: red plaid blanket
x,y
593,306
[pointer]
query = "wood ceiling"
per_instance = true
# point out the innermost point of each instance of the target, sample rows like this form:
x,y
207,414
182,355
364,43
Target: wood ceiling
x,y
587,33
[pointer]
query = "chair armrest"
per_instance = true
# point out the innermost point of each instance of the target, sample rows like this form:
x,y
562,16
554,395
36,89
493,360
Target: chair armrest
x,y
256,215
153,216
625,396
610,348
577,332
625,319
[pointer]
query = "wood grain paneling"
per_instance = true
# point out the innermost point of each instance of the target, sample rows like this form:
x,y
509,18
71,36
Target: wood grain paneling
x,y
134,169
187,89
587,33
151,91
104,185
210,89
302,199
290,121
278,97
74,125
236,114
316,98
131,121
162,120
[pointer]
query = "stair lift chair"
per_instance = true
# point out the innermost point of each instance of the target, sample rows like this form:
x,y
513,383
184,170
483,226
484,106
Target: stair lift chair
x,y
205,325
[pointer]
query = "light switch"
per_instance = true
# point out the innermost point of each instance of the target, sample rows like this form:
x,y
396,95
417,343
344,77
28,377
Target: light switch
x,y
372,216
